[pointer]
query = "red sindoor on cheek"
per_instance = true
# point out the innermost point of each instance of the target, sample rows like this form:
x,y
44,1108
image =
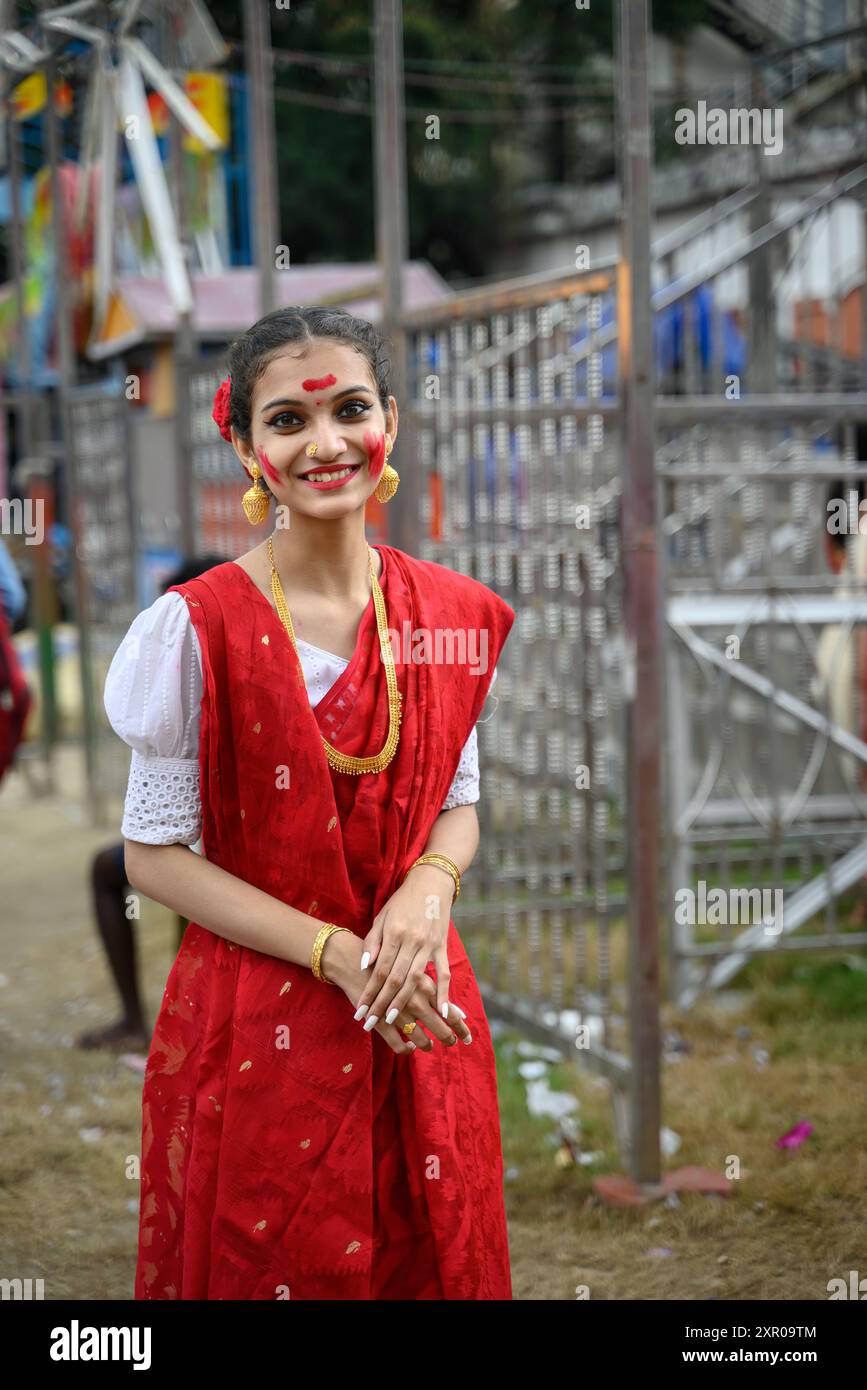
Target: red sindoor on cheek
x,y
375,445
267,466
319,383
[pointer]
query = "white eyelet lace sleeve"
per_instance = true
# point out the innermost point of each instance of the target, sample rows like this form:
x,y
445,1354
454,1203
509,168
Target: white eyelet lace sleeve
x,y
152,697
464,790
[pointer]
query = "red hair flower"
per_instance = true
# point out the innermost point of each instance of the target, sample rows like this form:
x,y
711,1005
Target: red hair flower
x,y
222,408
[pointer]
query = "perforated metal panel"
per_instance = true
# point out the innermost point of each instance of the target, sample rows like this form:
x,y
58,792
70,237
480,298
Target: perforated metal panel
x,y
217,479
105,557
511,447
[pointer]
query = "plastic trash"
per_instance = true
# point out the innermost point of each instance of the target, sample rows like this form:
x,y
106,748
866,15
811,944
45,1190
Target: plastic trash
x,y
536,1050
794,1138
531,1071
541,1100
669,1141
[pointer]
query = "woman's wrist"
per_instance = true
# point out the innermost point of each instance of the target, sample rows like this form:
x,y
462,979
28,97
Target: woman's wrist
x,y
341,956
432,879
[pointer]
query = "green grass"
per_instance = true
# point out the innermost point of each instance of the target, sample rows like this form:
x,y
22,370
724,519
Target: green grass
x,y
794,1220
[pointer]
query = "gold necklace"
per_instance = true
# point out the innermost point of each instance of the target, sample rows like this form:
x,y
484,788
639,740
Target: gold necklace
x,y
343,762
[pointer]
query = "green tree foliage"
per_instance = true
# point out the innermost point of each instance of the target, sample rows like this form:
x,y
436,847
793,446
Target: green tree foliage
x,y
515,62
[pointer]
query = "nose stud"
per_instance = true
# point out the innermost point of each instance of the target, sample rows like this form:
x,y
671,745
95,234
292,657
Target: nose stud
x,y
311,449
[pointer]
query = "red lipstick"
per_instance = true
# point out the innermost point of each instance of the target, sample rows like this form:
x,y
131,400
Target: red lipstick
x,y
326,486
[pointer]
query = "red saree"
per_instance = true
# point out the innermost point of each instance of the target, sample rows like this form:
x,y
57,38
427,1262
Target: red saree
x,y
286,1153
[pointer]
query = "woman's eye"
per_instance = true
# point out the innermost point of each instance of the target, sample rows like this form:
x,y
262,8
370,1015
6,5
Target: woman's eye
x,y
350,410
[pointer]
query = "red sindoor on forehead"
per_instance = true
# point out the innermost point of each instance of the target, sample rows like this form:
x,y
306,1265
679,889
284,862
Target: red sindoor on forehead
x,y
319,383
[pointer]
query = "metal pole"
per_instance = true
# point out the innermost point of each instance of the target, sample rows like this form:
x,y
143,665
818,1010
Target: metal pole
x,y
66,376
392,240
641,587
864,208
264,217
184,346
762,366
63,320
18,268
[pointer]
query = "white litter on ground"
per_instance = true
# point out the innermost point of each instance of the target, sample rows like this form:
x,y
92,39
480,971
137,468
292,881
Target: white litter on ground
x,y
541,1100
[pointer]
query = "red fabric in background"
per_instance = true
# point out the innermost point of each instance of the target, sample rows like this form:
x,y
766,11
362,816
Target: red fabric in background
x,y
15,698
331,1168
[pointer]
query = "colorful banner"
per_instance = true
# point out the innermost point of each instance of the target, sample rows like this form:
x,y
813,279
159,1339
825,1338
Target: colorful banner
x,y
28,97
159,113
208,93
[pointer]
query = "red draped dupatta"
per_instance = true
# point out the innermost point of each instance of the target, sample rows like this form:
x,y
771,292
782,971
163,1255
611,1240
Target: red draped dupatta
x,y
286,1153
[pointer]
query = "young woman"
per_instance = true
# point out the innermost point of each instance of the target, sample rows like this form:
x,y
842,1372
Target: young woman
x,y
320,1106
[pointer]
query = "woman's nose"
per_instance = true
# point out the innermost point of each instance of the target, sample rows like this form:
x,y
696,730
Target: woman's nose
x,y
330,441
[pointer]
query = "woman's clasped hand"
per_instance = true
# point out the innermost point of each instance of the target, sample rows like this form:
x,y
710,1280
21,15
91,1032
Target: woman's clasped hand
x,y
385,979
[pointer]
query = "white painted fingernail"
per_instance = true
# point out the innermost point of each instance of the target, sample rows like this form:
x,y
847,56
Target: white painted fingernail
x,y
468,1039
360,1012
458,1011
412,1045
391,1015
371,1023
445,1009
364,960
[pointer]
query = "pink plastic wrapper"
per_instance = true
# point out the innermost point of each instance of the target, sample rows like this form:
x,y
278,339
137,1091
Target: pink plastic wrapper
x,y
793,1138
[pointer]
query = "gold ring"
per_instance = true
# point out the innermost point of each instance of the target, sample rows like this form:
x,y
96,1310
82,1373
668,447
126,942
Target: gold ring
x,y
409,1027
311,449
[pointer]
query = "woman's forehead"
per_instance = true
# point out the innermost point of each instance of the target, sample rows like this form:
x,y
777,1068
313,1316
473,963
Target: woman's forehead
x,y
291,368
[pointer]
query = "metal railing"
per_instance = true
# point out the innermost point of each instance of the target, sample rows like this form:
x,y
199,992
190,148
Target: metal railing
x,y
766,711
103,517
509,401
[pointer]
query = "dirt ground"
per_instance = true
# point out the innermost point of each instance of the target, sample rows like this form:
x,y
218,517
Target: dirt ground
x,y
70,1120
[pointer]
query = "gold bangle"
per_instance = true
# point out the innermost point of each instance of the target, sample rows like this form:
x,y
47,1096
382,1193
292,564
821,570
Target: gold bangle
x,y
319,946
442,861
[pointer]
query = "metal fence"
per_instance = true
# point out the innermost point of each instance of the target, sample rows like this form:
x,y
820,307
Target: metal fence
x,y
103,522
509,399
766,748
217,522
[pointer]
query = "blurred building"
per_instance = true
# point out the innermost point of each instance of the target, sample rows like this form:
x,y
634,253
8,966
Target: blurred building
x,y
820,95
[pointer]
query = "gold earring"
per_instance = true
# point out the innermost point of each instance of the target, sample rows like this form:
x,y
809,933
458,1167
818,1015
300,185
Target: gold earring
x,y
255,500
388,483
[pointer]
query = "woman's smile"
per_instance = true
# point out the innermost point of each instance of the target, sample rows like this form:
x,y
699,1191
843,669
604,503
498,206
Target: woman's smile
x,y
329,477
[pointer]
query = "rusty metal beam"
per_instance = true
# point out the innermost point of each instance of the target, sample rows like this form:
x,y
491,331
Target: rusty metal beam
x,y
642,598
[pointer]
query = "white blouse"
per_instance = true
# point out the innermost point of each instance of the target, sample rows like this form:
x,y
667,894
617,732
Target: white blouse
x,y
152,697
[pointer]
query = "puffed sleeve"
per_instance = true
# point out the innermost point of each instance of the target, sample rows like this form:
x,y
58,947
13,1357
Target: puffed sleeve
x,y
152,697
464,790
